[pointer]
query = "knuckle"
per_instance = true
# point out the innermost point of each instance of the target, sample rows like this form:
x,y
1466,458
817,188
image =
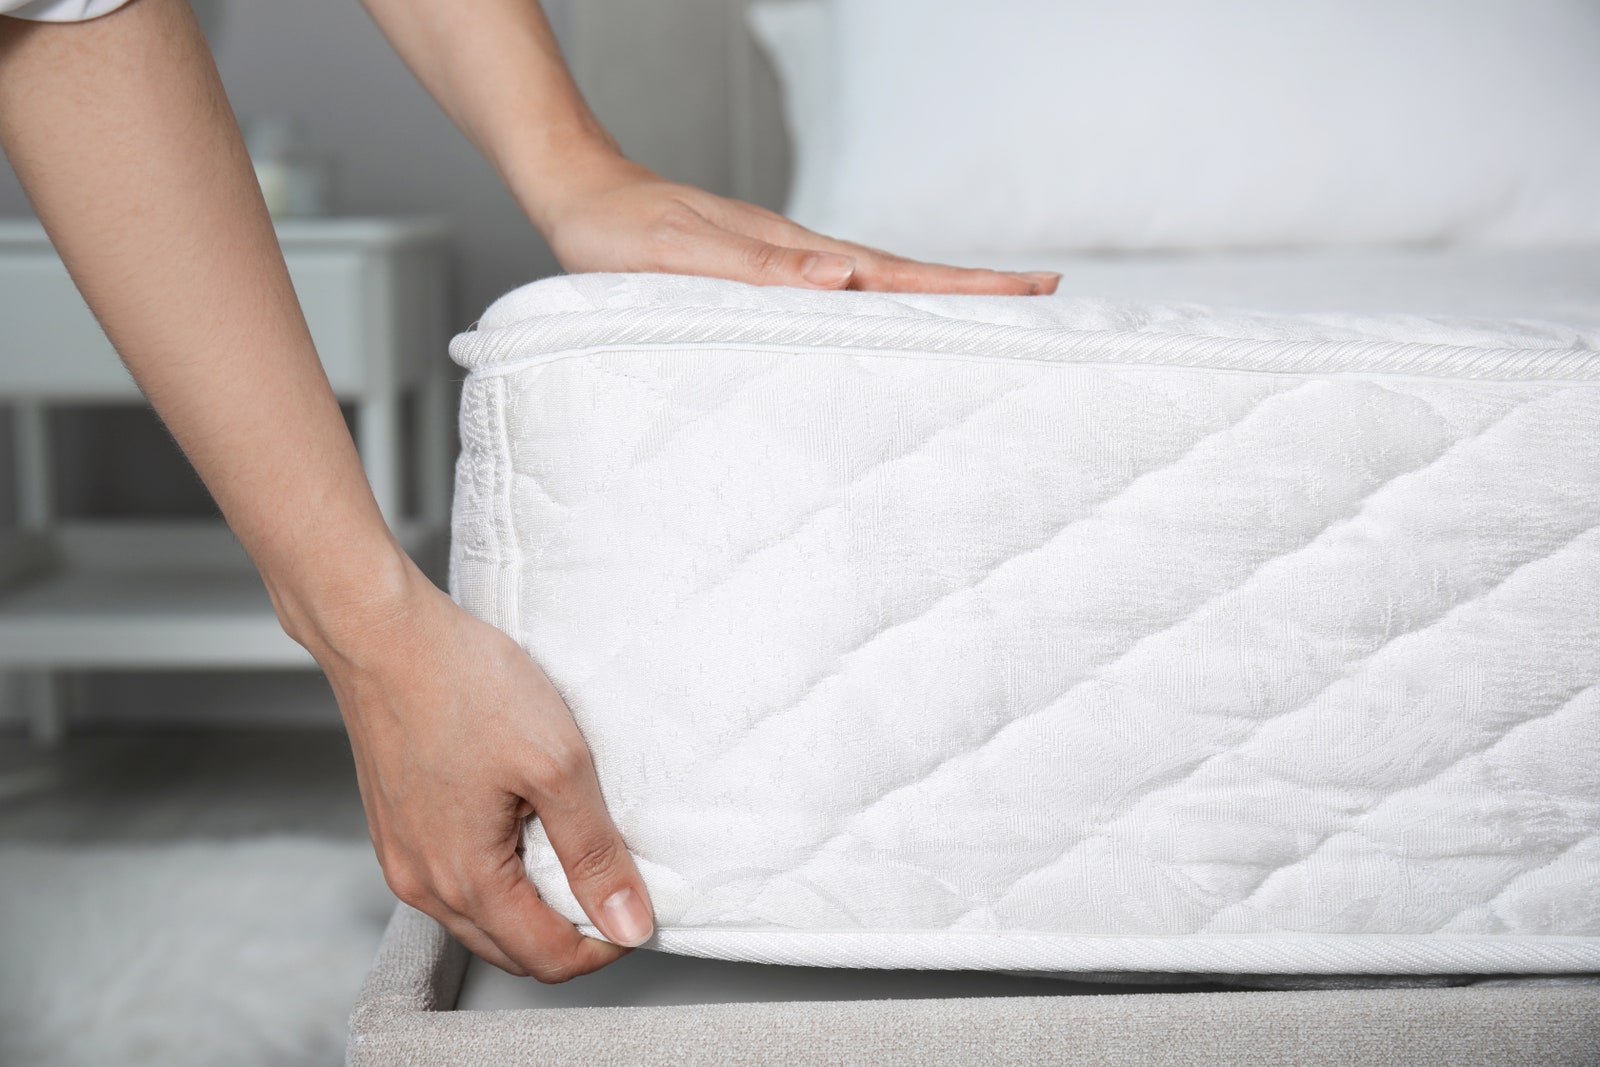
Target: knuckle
x,y
594,861
661,236
676,221
764,259
556,971
565,761
407,888
553,976
457,898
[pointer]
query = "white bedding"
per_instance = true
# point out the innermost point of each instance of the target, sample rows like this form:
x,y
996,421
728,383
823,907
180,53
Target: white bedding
x,y
1164,124
1487,286
1068,634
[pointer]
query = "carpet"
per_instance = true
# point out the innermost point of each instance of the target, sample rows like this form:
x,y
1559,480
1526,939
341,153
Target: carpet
x,y
247,952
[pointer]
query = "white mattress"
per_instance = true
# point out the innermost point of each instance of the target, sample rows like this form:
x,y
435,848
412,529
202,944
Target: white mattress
x,y
1069,634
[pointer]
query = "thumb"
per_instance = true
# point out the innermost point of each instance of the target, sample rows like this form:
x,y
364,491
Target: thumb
x,y
599,868
719,253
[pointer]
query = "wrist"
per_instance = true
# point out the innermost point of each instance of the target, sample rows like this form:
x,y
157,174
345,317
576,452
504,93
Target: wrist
x,y
554,169
338,605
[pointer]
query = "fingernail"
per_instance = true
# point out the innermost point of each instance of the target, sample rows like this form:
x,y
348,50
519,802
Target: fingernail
x,y
1043,277
627,921
827,269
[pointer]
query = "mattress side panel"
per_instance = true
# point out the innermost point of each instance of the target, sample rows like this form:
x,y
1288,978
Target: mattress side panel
x,y
485,556
888,649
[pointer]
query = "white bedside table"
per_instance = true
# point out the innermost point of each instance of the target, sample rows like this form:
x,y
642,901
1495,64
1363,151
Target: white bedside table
x,y
104,594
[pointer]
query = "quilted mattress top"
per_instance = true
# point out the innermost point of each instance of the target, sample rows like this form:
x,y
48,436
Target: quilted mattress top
x,y
1463,313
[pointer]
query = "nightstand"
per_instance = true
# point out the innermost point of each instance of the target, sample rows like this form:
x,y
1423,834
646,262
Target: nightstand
x,y
78,595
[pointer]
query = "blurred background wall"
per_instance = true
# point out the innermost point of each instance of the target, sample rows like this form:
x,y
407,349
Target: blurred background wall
x,y
657,78
394,151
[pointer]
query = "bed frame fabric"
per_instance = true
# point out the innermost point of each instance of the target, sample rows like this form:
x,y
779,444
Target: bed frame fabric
x,y
406,1016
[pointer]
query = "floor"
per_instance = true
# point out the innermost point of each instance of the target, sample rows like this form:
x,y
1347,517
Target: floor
x,y
177,898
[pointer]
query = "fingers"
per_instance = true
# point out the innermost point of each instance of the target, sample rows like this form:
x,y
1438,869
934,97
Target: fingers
x,y
478,942
908,276
530,932
415,893
879,271
1047,280
726,254
599,868
720,253
499,917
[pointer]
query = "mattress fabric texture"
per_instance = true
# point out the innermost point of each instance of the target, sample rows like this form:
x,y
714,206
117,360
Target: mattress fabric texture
x,y
1059,634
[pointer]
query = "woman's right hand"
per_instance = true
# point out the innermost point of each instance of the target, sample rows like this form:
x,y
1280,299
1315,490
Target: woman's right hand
x,y
120,132
458,737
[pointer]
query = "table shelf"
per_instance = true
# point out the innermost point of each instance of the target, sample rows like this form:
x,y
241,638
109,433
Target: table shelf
x,y
139,595
148,596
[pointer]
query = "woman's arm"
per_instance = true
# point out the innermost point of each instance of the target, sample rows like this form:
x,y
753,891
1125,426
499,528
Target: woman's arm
x,y
494,67
123,138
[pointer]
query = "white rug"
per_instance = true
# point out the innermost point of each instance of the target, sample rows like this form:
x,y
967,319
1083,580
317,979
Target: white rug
x,y
244,953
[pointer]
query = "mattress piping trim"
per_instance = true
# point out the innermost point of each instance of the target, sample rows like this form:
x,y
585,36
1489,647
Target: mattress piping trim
x,y
552,336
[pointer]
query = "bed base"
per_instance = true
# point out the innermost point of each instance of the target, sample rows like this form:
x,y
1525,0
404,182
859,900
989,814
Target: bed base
x,y
407,1015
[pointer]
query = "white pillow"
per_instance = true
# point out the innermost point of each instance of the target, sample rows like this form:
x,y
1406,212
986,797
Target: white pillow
x,y
1164,124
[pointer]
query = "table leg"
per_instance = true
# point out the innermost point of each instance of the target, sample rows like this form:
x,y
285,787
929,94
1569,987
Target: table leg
x,y
39,700
378,440
35,500
438,451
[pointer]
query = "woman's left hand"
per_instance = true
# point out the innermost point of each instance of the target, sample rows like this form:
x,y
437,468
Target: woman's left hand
x,y
495,68
627,218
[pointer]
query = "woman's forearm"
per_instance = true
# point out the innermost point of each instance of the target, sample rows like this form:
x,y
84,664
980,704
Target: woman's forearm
x,y
496,70
122,136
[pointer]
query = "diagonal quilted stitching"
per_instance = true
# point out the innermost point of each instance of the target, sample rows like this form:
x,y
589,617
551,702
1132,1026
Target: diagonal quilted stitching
x,y
807,519
1451,449
1414,398
978,580
1354,828
1302,706
1546,865
743,389
533,480
1485,888
678,429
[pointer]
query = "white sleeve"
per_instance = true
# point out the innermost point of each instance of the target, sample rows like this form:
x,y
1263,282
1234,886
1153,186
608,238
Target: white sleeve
x,y
59,10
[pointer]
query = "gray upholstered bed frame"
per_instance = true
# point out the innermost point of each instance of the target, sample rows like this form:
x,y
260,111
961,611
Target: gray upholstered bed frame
x,y
406,1017
684,90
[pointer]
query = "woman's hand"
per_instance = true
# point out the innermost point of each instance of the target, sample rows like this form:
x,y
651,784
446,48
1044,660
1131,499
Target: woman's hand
x,y
619,216
495,68
458,737
121,134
